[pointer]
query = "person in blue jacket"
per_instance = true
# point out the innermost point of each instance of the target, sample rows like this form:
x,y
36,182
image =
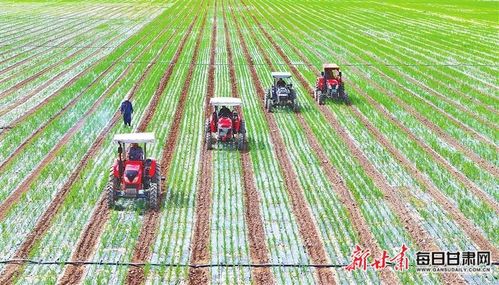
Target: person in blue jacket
x,y
126,111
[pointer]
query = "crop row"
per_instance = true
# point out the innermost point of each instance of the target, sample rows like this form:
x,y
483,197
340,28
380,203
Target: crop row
x,y
103,118
395,111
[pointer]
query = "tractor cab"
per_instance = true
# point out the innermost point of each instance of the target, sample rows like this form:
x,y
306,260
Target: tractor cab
x,y
133,175
281,93
225,124
329,85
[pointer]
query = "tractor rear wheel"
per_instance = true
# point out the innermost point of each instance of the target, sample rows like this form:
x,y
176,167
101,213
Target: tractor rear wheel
x,y
111,187
269,105
296,108
241,139
154,196
207,138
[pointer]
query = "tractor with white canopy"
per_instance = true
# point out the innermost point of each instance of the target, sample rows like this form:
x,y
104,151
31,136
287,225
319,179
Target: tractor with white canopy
x,y
225,124
133,175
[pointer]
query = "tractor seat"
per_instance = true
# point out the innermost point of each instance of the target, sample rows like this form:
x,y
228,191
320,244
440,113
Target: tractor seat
x,y
224,122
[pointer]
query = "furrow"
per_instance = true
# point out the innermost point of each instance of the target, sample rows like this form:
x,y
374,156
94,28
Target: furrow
x,y
201,232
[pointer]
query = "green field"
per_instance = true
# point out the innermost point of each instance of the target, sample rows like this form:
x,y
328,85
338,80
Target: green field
x,y
412,160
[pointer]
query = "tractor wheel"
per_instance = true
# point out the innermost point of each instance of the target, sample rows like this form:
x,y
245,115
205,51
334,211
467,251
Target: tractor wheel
x,y
154,196
296,108
319,97
111,187
207,138
269,105
155,189
347,99
209,144
241,142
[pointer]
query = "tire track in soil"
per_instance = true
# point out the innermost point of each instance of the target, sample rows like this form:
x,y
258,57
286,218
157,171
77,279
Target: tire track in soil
x,y
437,157
256,233
90,236
148,232
200,248
13,270
308,231
63,110
419,235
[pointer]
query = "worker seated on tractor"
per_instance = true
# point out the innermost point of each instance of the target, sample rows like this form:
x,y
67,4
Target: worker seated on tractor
x,y
224,112
135,152
281,83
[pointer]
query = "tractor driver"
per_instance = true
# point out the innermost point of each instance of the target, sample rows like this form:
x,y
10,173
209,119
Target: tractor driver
x,y
135,152
281,83
224,112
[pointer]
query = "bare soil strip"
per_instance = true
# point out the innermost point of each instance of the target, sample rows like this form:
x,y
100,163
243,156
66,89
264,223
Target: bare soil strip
x,y
256,233
150,224
68,106
392,195
200,249
308,231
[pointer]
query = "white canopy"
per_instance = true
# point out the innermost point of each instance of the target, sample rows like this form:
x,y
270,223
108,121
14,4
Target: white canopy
x,y
225,101
134,138
330,65
281,74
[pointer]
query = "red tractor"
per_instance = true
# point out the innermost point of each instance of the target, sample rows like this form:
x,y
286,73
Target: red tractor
x,y
225,125
330,85
133,175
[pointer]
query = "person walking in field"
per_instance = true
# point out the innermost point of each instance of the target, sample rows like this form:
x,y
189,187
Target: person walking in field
x,y
126,111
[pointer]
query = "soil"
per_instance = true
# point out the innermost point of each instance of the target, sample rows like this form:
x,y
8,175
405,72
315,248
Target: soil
x,y
256,233
200,249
